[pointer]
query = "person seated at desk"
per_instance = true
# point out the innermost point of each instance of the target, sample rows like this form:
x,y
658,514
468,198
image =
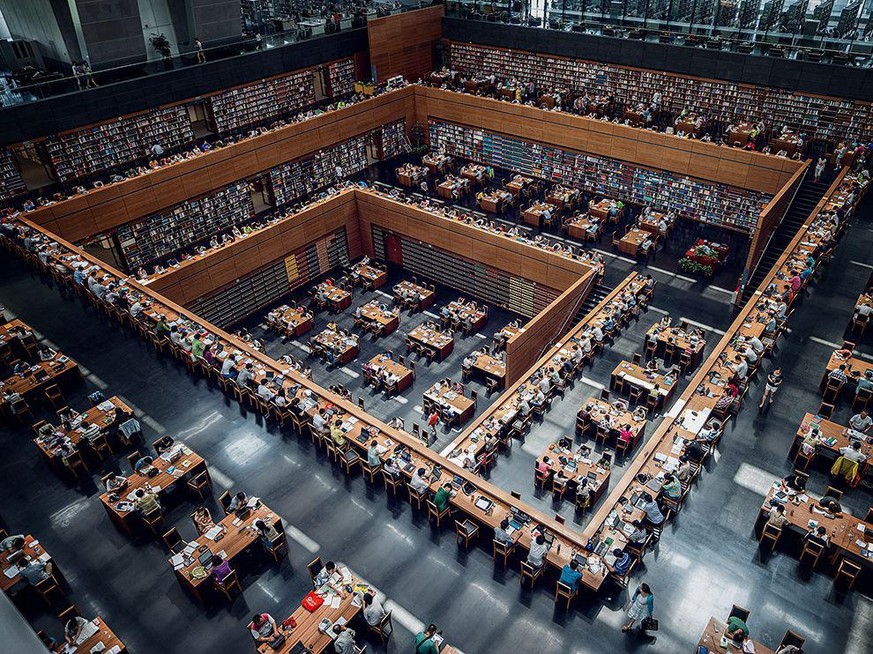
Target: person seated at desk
x,y
818,535
319,421
143,465
237,502
228,369
865,382
570,574
12,543
373,459
221,569
46,353
115,482
419,482
776,516
671,487
653,517
390,467
565,443
246,375
424,641
146,501
442,496
36,571
622,562
324,574
639,534
625,434
337,435
501,533
839,374
262,628
164,444
373,609
861,422
736,629
202,520
265,392
73,628
853,452
538,549
830,504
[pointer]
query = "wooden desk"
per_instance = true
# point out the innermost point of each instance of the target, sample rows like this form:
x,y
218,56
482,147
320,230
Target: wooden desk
x,y
458,405
102,415
691,124
239,535
631,373
453,189
616,417
505,335
678,337
789,141
32,550
104,635
9,336
373,276
833,437
853,365
563,197
52,372
188,465
291,321
436,341
632,242
379,321
404,374
652,222
585,228
533,215
486,366
461,311
712,635
577,469
437,163
740,134
601,210
474,172
517,184
406,289
337,298
343,349
410,176
495,201
306,632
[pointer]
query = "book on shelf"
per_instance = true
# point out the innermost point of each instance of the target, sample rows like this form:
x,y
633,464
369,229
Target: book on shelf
x,y
255,103
11,182
831,119
341,77
716,204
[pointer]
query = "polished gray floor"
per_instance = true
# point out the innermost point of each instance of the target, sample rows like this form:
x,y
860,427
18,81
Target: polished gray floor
x,y
706,561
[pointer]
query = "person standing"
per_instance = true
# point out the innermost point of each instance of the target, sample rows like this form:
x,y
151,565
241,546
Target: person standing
x,y
198,49
819,168
642,606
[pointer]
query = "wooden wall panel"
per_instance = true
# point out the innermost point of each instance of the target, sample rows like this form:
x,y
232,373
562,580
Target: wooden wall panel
x,y
403,44
545,328
106,208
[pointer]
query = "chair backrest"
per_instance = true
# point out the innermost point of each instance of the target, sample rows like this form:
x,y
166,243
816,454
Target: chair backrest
x,y
739,612
224,500
830,491
68,613
314,567
132,459
791,638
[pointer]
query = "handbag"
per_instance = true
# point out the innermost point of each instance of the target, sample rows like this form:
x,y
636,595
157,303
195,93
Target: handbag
x,y
312,601
649,624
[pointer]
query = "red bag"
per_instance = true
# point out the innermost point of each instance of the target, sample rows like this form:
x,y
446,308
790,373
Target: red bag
x,y
312,601
433,419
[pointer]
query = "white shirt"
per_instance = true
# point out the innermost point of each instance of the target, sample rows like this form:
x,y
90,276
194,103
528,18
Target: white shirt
x,y
860,424
419,483
852,454
374,613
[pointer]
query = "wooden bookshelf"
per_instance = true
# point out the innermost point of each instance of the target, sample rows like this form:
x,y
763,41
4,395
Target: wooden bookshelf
x,y
251,104
831,119
11,183
341,78
716,204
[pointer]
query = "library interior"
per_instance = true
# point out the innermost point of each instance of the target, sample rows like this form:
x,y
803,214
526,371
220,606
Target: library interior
x,y
410,327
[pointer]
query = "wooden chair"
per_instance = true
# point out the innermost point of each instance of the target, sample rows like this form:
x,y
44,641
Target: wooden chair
x,y
502,551
415,498
384,629
100,445
466,532
349,460
862,400
37,426
530,574
564,594
802,459
277,548
832,391
314,567
173,541
770,536
224,501
22,413
433,513
370,471
826,410
836,493
54,397
541,478
154,521
739,612
132,458
48,588
228,585
393,483
75,464
201,485
812,553
847,573
791,638
68,614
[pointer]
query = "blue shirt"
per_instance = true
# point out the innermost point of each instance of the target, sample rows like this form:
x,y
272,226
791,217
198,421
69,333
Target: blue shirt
x,y
570,576
622,565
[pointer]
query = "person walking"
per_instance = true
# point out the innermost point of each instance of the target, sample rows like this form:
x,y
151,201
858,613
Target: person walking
x,y
642,605
819,168
198,49
774,381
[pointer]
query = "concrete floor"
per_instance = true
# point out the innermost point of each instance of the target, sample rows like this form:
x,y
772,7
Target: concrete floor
x,y
707,559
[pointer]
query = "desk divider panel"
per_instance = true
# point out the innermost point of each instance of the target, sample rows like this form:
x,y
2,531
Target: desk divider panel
x,y
525,348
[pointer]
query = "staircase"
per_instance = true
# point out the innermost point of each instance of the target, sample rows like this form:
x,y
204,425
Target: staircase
x,y
808,195
595,296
